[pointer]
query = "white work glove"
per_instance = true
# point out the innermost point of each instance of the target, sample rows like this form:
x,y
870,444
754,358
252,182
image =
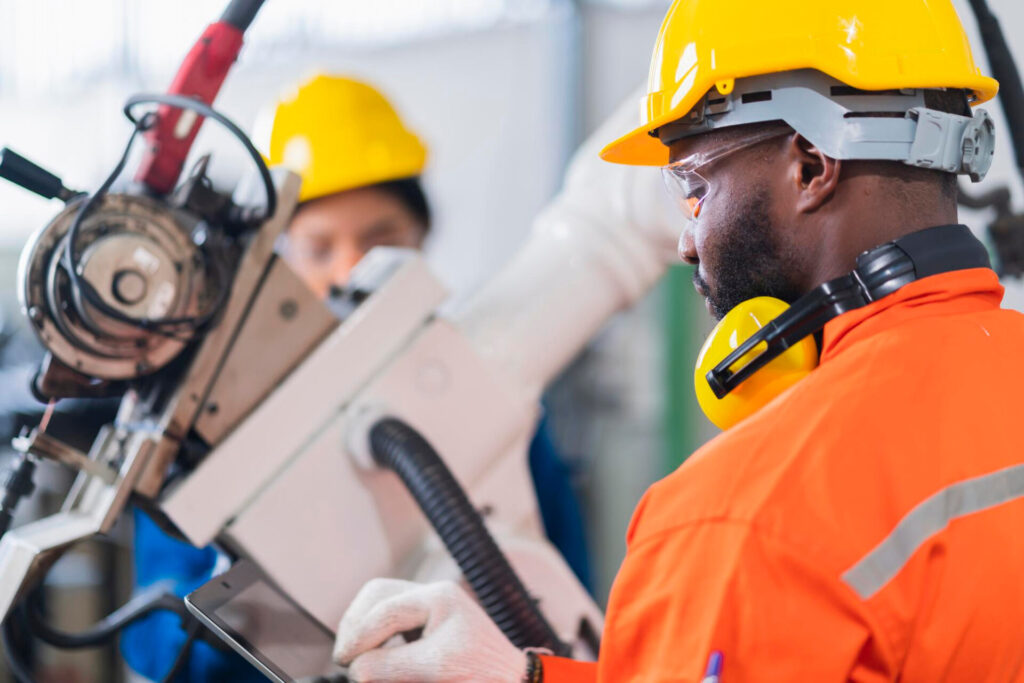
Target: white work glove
x,y
459,641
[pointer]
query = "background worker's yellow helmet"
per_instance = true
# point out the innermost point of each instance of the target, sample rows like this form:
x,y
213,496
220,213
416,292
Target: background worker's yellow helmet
x,y
866,44
338,134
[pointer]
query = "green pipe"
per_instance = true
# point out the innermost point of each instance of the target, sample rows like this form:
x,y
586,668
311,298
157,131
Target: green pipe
x,y
682,335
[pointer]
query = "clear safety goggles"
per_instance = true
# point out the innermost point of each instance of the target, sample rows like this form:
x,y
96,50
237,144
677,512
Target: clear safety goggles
x,y
689,188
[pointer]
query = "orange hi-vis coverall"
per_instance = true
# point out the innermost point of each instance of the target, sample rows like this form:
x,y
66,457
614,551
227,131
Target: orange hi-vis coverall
x,y
866,525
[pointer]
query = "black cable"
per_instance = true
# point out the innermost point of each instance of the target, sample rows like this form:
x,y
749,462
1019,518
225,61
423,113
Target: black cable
x,y
998,197
191,632
401,449
16,484
155,599
203,109
1004,69
71,257
240,13
144,123
20,671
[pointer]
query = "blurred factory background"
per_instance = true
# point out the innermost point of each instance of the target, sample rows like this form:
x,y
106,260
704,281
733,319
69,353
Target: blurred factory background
x,y
502,91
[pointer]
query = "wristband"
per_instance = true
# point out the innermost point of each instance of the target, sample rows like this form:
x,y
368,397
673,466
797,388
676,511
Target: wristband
x,y
534,667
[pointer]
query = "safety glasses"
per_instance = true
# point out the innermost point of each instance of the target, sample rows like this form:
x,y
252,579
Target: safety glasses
x,y
689,188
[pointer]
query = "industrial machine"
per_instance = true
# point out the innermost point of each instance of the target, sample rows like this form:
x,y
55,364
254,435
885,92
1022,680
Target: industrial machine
x,y
326,444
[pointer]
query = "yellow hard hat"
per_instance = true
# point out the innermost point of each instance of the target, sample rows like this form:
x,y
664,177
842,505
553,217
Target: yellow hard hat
x,y
866,44
338,134
738,325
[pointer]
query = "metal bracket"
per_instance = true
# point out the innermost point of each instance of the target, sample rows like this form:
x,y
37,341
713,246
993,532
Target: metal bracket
x,y
44,446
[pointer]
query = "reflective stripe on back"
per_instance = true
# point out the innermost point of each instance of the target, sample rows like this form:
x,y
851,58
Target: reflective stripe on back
x,y
929,517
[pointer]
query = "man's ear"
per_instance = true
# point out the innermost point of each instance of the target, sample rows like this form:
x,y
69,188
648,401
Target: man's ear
x,y
814,174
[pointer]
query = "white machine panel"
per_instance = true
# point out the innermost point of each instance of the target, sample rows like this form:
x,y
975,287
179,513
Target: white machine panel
x,y
341,507
304,403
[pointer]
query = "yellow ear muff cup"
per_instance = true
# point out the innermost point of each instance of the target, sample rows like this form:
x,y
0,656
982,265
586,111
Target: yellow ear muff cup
x,y
738,325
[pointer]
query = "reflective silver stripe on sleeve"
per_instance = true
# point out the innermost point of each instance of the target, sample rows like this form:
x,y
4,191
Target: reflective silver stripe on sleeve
x,y
928,518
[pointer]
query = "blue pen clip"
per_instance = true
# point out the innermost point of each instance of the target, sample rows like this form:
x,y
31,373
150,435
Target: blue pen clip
x,y
714,668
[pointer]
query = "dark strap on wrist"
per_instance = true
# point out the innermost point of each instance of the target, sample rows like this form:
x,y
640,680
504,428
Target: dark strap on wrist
x,y
534,668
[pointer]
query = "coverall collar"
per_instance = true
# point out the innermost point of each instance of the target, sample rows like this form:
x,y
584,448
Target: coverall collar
x,y
944,294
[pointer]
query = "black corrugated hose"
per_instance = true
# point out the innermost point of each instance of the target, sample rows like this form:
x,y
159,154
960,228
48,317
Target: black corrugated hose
x,y
1004,69
400,448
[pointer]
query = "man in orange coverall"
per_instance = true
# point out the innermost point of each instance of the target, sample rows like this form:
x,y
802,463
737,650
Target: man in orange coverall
x,y
864,523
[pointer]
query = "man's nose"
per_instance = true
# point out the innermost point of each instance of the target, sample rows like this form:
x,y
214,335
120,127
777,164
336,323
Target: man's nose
x,y
343,263
688,245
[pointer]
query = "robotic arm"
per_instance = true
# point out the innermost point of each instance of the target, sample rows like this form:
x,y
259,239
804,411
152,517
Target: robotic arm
x,y
470,384
255,416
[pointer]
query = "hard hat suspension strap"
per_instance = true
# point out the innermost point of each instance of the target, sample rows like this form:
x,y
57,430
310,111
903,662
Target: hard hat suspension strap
x,y
847,123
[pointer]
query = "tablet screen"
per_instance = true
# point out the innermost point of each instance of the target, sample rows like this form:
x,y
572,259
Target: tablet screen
x,y
276,632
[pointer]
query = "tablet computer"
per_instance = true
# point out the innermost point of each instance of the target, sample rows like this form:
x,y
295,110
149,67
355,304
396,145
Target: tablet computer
x,y
265,626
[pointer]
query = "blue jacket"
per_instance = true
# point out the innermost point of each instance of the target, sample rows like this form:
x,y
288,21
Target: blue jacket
x,y
150,645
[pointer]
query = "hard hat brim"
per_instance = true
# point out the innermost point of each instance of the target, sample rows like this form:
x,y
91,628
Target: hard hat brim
x,y
638,147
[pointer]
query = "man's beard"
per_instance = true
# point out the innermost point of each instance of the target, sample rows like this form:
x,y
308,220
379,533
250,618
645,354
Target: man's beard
x,y
749,261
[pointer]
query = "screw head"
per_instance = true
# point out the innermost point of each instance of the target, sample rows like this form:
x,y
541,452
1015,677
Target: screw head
x,y
289,309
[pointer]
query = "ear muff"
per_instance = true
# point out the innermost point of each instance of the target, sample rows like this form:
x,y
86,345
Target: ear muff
x,y
738,325
764,346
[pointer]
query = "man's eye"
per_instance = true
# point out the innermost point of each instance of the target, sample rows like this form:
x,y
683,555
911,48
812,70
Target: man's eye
x,y
321,254
316,252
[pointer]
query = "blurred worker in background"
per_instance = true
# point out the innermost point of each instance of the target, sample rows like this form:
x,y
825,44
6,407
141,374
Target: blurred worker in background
x,y
360,169
361,188
862,524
